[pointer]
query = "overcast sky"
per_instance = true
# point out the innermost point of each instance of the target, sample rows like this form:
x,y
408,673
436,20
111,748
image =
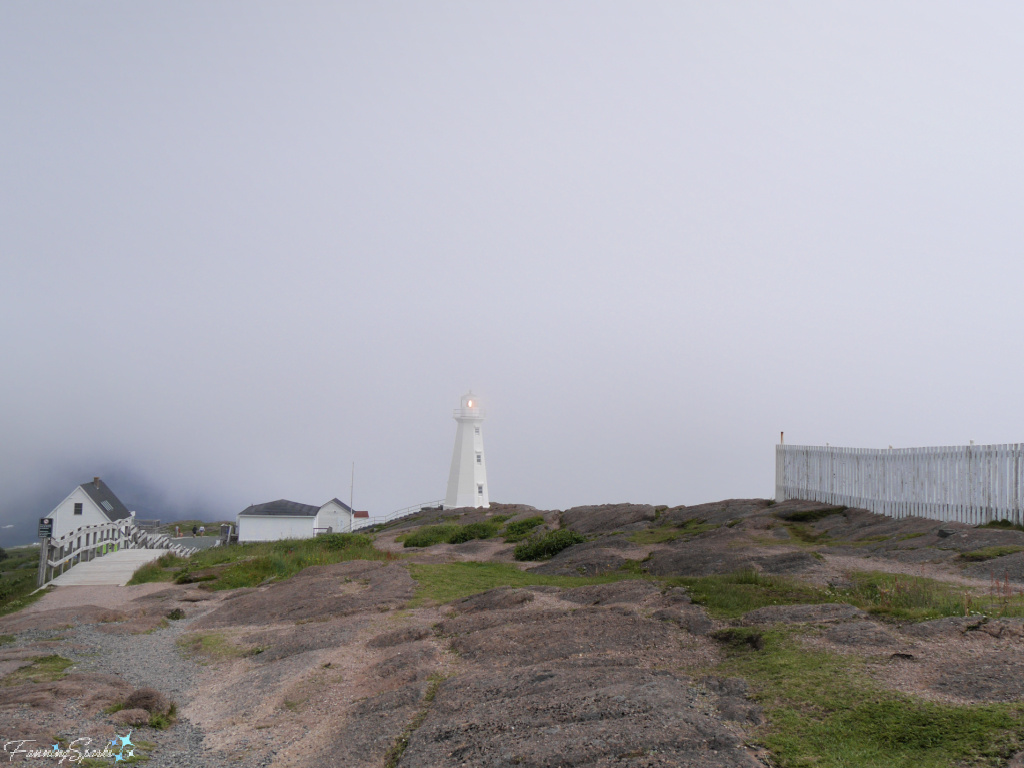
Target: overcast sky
x,y
243,245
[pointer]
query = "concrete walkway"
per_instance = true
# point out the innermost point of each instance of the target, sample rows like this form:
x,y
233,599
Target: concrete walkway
x,y
114,568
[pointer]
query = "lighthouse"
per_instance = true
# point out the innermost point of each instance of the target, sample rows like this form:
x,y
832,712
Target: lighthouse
x,y
467,482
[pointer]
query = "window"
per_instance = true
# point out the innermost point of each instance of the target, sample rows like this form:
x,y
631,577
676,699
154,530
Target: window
x,y
78,507
479,458
480,489
108,506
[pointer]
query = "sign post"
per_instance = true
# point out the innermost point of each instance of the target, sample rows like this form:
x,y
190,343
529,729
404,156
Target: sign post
x,y
45,533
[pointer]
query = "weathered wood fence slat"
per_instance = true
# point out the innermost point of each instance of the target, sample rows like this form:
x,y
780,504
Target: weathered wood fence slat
x,y
971,484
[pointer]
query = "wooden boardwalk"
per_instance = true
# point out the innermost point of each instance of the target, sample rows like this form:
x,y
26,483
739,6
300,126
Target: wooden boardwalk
x,y
113,569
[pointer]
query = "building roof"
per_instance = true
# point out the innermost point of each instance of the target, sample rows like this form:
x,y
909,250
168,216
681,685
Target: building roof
x,y
281,508
105,499
340,503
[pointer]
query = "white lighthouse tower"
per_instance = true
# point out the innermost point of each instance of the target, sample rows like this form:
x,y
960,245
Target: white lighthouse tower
x,y
467,483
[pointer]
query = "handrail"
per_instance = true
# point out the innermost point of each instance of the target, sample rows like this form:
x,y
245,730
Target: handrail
x,y
87,542
404,512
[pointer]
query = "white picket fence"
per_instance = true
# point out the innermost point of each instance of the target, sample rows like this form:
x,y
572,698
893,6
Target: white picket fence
x,y
971,484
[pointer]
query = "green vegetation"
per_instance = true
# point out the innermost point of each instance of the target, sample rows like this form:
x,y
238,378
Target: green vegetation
x,y
249,565
825,713
520,529
151,572
915,598
1003,524
730,595
18,578
6,639
452,533
216,646
163,720
990,553
444,582
889,596
811,515
43,669
805,535
394,755
548,545
665,533
907,536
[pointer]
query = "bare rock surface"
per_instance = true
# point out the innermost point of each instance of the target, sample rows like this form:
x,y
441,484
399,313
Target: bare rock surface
x,y
718,513
593,558
59,618
994,677
339,662
318,592
801,614
863,633
605,518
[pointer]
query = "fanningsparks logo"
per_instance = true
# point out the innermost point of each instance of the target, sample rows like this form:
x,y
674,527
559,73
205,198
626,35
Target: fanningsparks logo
x,y
117,749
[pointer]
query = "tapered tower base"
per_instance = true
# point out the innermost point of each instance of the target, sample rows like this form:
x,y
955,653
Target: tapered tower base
x,y
467,481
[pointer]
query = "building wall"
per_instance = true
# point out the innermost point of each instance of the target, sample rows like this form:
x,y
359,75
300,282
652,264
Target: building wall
x,y
273,527
468,474
65,519
334,516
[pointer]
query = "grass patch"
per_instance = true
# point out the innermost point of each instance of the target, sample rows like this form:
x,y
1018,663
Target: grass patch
x,y
6,639
990,553
520,529
163,720
44,669
444,582
548,545
216,646
151,572
665,533
730,595
18,573
1004,524
825,713
248,565
915,598
451,533
891,596
802,534
810,515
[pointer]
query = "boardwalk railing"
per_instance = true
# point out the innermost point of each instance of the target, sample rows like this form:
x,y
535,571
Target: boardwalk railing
x,y
415,509
971,484
88,542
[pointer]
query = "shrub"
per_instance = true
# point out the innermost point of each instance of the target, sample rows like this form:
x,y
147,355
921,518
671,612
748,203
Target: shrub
x,y
473,531
549,545
429,535
520,529
3,554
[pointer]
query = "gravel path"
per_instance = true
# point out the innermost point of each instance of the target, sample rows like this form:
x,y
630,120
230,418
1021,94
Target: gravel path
x,y
141,660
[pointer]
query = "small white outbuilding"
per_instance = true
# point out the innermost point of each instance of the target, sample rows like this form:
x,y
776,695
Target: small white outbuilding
x,y
283,519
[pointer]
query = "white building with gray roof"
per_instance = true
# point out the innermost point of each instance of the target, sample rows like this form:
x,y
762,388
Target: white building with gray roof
x,y
283,519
